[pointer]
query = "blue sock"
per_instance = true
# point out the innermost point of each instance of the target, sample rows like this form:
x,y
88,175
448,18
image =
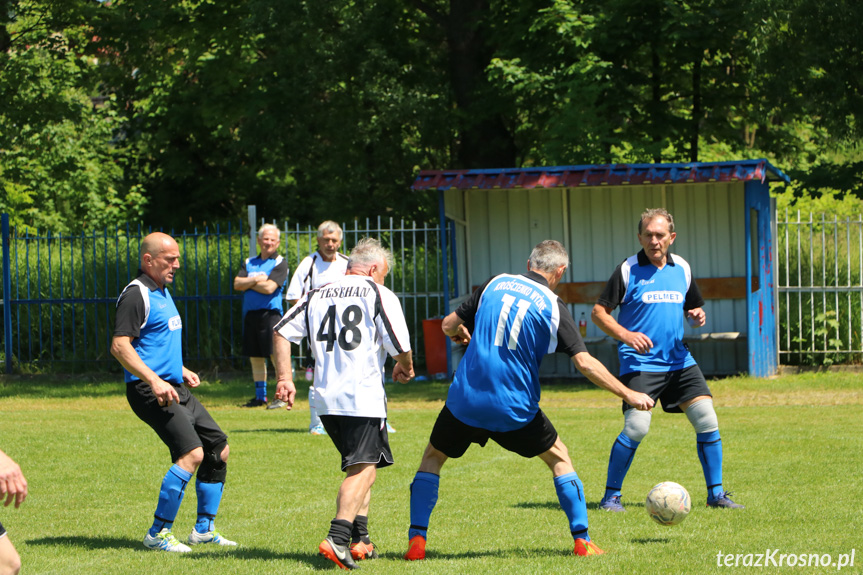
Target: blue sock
x,y
570,493
261,390
619,461
170,497
423,499
209,497
710,455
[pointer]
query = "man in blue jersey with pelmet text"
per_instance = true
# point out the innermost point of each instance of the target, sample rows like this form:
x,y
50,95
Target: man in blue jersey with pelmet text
x,y
148,343
656,292
509,325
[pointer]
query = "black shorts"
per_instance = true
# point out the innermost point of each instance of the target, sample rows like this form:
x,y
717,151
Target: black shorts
x,y
452,437
359,439
258,332
2,530
182,427
671,387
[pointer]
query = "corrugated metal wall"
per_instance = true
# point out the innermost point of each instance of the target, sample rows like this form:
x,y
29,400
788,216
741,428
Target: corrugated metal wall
x,y
501,226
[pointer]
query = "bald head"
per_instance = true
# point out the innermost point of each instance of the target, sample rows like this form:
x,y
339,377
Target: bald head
x,y
160,257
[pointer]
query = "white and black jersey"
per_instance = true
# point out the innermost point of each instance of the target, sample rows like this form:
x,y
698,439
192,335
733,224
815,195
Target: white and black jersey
x,y
313,272
351,323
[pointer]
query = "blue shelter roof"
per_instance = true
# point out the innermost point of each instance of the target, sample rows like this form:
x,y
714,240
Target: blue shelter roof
x,y
600,175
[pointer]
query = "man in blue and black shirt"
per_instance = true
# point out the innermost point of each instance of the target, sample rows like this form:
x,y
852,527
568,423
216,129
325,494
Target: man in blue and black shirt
x,y
148,342
656,292
509,325
262,279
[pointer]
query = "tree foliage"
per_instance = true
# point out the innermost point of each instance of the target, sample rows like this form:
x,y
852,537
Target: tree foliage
x,y
182,113
58,167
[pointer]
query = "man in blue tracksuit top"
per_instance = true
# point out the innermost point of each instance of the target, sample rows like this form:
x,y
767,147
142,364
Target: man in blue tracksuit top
x,y
148,342
509,325
655,292
262,281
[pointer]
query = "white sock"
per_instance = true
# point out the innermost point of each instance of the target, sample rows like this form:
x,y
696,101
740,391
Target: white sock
x,y
314,420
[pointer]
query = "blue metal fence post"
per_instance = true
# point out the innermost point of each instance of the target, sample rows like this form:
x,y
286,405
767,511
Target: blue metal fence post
x,y
7,295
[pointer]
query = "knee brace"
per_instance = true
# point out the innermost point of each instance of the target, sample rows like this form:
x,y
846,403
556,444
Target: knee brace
x,y
213,469
636,424
702,416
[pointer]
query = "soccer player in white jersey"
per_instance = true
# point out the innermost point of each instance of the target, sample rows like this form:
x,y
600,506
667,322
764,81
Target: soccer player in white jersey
x,y
352,324
324,266
510,324
656,292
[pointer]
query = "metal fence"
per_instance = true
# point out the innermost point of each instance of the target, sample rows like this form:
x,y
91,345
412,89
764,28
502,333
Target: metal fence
x,y
59,291
820,283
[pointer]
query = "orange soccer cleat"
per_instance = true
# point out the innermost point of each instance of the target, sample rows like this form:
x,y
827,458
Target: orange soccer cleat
x,y
584,547
338,554
417,549
360,551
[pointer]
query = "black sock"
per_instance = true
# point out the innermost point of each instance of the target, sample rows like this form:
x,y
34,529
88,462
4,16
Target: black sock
x,y
360,532
340,532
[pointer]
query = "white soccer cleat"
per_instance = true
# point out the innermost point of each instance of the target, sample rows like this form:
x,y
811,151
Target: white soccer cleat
x,y
165,541
210,537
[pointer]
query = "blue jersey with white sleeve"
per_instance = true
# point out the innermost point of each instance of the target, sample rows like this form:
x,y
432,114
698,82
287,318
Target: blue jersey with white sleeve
x,y
514,320
276,269
147,314
653,301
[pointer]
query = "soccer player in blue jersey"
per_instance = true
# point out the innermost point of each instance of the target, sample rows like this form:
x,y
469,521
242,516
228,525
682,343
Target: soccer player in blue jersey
x,y
148,342
656,292
509,324
262,280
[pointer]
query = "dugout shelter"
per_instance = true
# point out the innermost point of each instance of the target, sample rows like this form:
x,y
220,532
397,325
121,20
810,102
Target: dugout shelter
x,y
724,217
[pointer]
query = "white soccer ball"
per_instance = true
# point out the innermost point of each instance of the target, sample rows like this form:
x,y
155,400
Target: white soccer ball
x,y
668,503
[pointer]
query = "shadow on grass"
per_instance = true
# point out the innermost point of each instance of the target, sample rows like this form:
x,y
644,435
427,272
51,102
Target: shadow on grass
x,y
650,540
100,542
537,505
248,553
594,505
629,504
507,553
270,430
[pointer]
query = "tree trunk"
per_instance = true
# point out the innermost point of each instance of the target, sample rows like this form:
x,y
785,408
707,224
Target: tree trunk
x,y
483,139
696,110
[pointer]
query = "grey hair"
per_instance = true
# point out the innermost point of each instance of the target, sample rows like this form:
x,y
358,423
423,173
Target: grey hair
x,y
368,252
269,228
652,213
329,227
548,256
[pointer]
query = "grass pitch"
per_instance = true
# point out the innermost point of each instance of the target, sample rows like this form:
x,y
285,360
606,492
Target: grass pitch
x,y
793,455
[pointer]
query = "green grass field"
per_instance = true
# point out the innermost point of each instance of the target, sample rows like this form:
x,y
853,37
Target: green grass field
x,y
793,455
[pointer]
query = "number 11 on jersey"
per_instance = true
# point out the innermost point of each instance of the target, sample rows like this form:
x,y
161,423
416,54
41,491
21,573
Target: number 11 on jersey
x,y
523,305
